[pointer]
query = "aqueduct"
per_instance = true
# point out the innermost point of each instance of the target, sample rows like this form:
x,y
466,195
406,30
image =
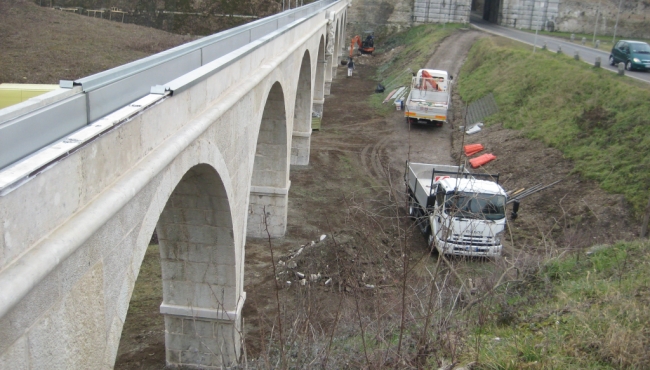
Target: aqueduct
x,y
197,146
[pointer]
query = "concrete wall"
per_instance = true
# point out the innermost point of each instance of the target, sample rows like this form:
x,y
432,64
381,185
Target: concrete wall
x,y
528,14
441,11
577,16
196,166
580,16
381,16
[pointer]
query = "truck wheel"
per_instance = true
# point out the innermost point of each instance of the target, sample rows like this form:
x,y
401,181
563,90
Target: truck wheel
x,y
412,210
423,223
431,242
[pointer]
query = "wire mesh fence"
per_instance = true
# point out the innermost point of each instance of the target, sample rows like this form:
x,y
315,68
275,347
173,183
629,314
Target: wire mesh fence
x,y
478,110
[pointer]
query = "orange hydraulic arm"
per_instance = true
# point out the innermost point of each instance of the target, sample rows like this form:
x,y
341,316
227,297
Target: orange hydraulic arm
x,y
356,39
428,78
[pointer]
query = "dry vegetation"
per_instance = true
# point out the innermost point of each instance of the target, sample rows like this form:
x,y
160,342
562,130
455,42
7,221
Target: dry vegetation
x,y
378,298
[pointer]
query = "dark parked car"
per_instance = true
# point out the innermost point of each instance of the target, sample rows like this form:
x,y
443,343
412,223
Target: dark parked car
x,y
635,54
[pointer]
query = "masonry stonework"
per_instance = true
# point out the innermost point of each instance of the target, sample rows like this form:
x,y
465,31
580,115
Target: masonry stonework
x,y
193,166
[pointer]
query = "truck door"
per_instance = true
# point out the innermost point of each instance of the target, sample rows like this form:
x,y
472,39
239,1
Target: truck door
x,y
439,209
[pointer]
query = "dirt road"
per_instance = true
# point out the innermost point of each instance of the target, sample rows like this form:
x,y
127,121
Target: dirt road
x,y
355,159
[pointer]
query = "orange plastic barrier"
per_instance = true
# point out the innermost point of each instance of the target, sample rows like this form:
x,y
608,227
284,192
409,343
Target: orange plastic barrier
x,y
472,149
482,159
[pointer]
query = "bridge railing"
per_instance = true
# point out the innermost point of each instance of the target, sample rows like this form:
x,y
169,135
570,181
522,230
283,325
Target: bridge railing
x,y
107,91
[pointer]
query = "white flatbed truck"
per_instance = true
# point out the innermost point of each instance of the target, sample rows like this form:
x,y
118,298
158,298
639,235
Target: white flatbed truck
x,y
460,213
429,101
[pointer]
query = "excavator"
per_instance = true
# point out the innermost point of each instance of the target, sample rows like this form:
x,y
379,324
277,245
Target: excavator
x,y
366,46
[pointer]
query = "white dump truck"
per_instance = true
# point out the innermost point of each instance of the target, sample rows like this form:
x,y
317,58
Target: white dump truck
x,y
461,213
429,101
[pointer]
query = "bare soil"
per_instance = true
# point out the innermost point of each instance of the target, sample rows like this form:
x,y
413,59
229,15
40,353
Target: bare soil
x,y
353,193
42,45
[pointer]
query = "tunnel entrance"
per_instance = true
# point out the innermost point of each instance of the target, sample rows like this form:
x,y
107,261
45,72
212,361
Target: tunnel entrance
x,y
487,9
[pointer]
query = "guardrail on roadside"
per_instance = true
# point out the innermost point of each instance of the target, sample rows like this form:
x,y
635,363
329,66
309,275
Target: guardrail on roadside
x,y
105,92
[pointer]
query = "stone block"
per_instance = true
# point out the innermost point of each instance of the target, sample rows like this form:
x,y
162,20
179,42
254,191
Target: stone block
x,y
221,218
172,356
197,358
198,328
173,324
178,292
16,356
183,201
72,334
113,342
197,97
202,234
14,324
116,273
172,250
200,252
124,298
210,273
181,342
173,269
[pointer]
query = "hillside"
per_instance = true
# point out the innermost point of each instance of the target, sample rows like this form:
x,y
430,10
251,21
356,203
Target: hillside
x,y
42,45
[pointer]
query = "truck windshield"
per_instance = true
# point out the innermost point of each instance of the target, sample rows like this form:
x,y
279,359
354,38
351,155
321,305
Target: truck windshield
x,y
472,205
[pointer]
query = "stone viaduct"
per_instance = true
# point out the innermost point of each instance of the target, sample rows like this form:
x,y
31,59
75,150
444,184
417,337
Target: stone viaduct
x,y
199,152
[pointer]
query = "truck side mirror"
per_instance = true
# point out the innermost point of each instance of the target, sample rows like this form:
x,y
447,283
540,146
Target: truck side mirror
x,y
451,77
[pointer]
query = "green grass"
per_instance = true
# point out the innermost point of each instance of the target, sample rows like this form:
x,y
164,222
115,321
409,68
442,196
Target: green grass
x,y
419,43
590,312
596,118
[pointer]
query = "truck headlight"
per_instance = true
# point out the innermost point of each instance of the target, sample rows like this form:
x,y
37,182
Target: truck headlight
x,y
498,236
636,60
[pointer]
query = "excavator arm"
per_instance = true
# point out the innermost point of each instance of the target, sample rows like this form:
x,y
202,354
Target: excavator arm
x,y
356,39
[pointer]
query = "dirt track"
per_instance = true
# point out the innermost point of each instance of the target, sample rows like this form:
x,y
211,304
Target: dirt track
x,y
355,159
356,165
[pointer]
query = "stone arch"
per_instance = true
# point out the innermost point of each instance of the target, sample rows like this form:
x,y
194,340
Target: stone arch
x,y
337,48
344,36
270,178
198,257
302,114
319,81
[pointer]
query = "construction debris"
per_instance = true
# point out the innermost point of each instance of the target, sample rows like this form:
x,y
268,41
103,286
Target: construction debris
x,y
474,129
523,193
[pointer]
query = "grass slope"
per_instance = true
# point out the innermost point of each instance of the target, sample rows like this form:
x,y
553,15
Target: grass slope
x,y
42,45
417,46
596,118
579,312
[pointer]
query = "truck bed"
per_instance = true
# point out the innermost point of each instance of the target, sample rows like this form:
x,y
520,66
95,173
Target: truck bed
x,y
419,179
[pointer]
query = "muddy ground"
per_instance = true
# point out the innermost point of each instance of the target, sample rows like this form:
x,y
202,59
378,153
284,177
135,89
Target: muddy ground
x,y
352,191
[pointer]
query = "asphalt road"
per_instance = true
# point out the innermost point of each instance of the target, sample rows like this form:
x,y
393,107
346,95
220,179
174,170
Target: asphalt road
x,y
587,54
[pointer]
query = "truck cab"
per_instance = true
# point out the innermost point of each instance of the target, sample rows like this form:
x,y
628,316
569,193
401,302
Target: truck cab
x,y
468,218
461,213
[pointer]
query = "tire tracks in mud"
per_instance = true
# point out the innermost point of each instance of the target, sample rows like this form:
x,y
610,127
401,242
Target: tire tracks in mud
x,y
374,154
